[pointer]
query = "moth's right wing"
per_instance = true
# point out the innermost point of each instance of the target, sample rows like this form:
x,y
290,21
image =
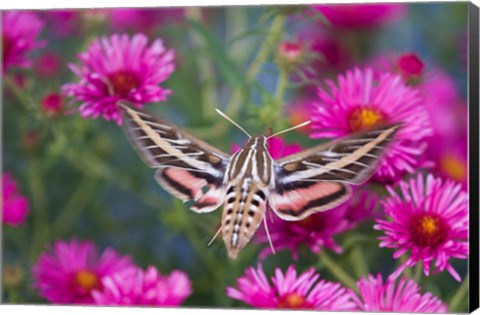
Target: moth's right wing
x,y
318,179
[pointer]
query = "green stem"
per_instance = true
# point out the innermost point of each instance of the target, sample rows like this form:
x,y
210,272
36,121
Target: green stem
x,y
358,262
261,57
459,296
40,224
24,98
281,87
418,272
205,68
74,207
239,93
407,271
338,271
12,296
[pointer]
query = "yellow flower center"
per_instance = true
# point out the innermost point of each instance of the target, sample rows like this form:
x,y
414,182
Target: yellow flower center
x,y
428,230
87,280
365,117
453,167
123,82
293,301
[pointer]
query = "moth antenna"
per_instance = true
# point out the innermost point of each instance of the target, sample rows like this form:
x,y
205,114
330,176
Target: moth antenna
x,y
291,128
231,120
268,235
271,215
215,236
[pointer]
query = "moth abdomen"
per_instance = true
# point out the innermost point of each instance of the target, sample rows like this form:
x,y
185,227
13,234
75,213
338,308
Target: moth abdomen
x,y
242,214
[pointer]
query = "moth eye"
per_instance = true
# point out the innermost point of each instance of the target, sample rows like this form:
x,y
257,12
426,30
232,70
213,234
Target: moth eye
x,y
290,167
214,159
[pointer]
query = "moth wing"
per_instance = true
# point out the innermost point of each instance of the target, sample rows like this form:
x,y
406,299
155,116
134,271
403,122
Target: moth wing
x,y
307,198
351,160
317,179
188,168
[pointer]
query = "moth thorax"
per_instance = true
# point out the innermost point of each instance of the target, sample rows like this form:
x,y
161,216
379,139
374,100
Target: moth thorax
x,y
243,211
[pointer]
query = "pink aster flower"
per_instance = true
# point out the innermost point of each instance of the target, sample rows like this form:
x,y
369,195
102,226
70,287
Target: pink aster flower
x,y
120,68
318,230
134,286
447,111
429,218
143,20
360,101
19,32
354,16
15,206
289,291
69,271
405,297
450,158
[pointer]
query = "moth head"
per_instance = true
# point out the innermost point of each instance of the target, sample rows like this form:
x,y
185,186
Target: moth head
x,y
258,141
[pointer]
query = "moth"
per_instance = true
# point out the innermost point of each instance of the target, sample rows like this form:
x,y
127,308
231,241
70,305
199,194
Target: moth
x,y
296,186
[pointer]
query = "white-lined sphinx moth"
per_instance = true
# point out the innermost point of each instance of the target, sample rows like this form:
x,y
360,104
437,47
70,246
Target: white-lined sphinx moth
x,y
296,186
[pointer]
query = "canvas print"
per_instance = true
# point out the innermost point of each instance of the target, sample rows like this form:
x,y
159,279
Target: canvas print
x,y
306,157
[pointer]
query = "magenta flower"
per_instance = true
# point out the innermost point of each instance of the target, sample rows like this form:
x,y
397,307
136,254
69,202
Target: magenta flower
x,y
19,32
409,65
429,219
318,230
69,271
15,206
63,23
450,158
359,102
447,111
376,296
120,68
143,20
287,291
48,65
134,286
354,16
52,104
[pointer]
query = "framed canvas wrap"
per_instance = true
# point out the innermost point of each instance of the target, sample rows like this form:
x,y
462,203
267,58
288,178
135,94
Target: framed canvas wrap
x,y
313,157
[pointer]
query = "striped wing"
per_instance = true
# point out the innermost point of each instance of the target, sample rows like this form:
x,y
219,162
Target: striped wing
x,y
188,168
317,179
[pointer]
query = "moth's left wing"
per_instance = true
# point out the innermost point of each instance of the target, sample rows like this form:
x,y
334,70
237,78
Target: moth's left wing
x,y
317,179
188,168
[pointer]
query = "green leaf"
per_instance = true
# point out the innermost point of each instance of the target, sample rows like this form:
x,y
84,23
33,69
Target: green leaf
x,y
218,54
256,31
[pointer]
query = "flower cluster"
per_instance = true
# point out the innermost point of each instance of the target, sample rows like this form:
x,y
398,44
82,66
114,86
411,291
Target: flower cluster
x,y
74,272
289,291
120,68
429,219
306,291
19,33
15,205
376,296
363,99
